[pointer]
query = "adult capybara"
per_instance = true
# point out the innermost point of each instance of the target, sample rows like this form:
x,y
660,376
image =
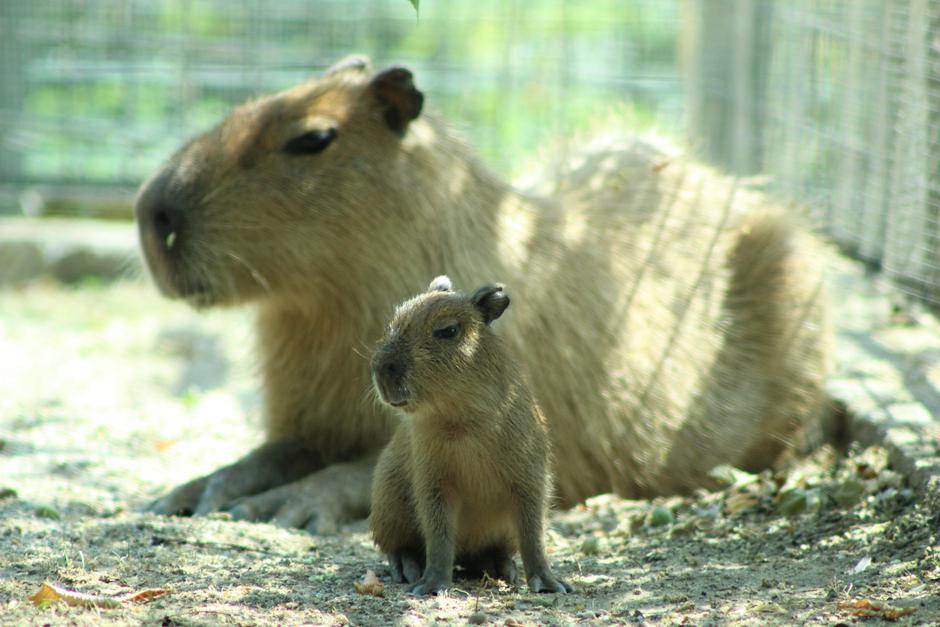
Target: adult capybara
x,y
668,320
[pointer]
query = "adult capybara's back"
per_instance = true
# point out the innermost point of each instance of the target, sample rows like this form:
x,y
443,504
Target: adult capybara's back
x,y
667,320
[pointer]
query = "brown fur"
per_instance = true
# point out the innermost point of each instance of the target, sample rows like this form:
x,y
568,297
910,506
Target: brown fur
x,y
668,320
466,473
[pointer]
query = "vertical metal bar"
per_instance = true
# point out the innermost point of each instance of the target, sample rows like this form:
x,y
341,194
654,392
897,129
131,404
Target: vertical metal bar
x,y
13,89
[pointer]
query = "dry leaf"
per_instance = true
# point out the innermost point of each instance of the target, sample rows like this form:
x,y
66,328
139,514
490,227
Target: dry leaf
x,y
49,593
866,608
370,584
143,596
767,608
163,446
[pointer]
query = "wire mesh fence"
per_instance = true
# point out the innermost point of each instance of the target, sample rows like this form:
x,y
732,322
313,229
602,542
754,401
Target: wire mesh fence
x,y
837,102
95,94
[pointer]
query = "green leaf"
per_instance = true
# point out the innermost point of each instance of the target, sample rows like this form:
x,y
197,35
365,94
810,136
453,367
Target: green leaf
x,y
415,3
44,511
797,500
661,516
848,493
792,502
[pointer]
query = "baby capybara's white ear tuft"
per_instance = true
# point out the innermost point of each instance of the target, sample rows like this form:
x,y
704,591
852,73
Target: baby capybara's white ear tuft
x,y
353,63
441,284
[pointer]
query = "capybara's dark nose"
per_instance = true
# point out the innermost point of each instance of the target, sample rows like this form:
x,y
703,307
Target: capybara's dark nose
x,y
160,213
389,378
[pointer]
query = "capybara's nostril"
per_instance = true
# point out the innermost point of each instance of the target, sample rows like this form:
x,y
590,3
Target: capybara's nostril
x,y
392,370
167,221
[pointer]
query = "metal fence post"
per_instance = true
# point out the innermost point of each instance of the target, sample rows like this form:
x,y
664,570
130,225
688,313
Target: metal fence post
x,y
12,94
725,57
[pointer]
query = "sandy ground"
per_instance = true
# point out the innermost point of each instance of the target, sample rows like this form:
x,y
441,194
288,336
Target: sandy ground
x,y
110,395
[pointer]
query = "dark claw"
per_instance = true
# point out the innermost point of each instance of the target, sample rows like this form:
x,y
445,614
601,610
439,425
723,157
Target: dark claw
x,y
180,502
547,583
423,587
240,510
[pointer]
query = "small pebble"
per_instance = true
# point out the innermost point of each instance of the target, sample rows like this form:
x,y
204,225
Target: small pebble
x,y
590,546
890,479
219,516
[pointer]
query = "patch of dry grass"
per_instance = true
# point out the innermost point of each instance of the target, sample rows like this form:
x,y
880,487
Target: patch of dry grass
x,y
110,395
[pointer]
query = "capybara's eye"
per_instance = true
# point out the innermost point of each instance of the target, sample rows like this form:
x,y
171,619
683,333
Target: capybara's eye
x,y
310,142
447,333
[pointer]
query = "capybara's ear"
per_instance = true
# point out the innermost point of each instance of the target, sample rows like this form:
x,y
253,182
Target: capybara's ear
x,y
352,63
492,301
441,284
400,100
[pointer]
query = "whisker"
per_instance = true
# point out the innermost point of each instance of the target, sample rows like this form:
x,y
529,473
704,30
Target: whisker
x,y
255,274
369,394
131,267
211,194
367,354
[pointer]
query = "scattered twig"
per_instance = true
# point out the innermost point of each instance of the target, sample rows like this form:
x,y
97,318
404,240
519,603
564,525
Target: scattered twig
x,y
158,540
866,608
50,593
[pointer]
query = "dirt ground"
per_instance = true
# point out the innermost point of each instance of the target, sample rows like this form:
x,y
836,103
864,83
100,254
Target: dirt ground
x,y
110,395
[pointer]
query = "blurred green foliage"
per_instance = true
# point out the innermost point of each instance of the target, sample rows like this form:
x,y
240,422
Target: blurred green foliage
x,y
105,91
